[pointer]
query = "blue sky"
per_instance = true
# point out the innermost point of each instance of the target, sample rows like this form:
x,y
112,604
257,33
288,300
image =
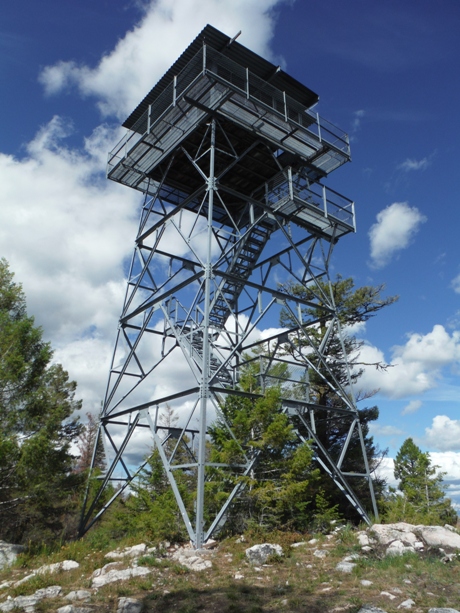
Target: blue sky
x,y
386,72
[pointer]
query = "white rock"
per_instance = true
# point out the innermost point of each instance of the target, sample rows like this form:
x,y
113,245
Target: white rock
x,y
238,576
366,582
118,575
136,551
407,604
191,559
79,595
105,569
9,553
351,557
300,544
363,539
312,541
259,554
397,548
129,605
68,608
321,553
54,568
387,533
368,608
437,536
52,591
345,567
443,610
23,580
388,595
366,548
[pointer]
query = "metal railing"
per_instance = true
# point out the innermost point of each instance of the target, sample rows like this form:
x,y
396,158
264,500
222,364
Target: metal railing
x,y
290,186
210,62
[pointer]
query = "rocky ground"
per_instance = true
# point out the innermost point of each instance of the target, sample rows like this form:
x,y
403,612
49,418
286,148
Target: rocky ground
x,y
388,568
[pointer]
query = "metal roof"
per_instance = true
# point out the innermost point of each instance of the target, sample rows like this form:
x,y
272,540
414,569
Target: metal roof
x,y
236,52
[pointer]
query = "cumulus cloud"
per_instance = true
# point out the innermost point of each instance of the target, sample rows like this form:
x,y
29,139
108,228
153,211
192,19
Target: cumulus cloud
x,y
65,231
64,228
444,434
412,407
415,367
411,164
394,230
124,76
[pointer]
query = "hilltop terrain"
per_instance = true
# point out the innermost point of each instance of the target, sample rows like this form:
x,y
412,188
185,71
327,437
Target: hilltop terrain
x,y
347,570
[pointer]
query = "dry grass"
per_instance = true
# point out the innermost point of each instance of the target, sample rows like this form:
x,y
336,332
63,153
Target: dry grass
x,y
299,581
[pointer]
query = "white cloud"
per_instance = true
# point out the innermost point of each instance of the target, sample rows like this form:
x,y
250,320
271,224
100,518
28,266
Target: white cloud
x,y
412,407
455,284
64,228
379,430
444,434
448,462
386,471
415,367
125,75
65,232
395,228
411,164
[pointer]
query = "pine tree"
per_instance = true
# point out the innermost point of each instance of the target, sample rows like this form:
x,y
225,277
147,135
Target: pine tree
x,y
37,425
280,489
354,306
422,498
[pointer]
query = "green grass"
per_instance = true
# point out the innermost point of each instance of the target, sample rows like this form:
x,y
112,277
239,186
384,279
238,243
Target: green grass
x,y
296,582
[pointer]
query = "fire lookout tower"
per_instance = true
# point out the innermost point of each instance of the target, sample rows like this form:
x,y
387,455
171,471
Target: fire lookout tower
x,y
230,158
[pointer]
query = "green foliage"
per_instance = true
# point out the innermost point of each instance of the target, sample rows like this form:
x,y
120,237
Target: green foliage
x,y
37,424
278,490
422,498
151,509
353,306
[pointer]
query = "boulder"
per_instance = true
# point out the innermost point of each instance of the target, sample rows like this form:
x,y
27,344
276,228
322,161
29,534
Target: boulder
x,y
129,605
438,536
387,533
9,553
259,554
